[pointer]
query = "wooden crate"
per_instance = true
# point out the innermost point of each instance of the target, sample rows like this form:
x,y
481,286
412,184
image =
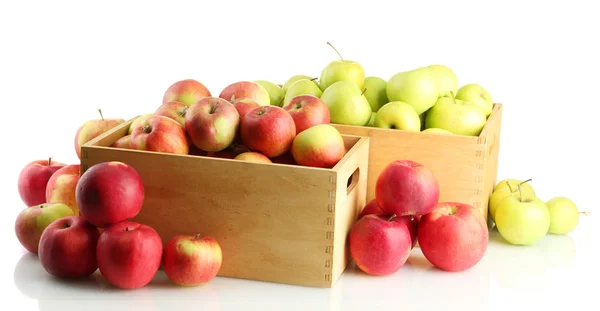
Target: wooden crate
x,y
275,222
465,166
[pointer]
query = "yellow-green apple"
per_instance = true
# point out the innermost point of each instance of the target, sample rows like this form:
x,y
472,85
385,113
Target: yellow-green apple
x,y
319,146
252,156
416,87
342,70
406,187
380,244
478,95
276,93
347,104
212,123
307,111
93,128
295,78
371,122
191,260
437,130
375,92
512,184
33,180
67,248
62,185
457,116
138,122
398,116
187,91
32,221
123,142
453,236
129,254
447,80
502,192
246,89
109,192
301,87
269,130
243,105
564,215
160,134
522,219
412,222
174,110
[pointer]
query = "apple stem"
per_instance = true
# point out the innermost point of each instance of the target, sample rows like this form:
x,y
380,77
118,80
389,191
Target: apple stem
x,y
197,236
363,92
101,116
182,112
49,161
509,187
214,108
528,180
126,228
338,53
146,128
452,96
520,193
392,217
313,79
232,99
585,213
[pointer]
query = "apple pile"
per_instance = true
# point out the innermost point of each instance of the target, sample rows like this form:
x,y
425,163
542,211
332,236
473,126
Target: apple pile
x,y
522,218
453,236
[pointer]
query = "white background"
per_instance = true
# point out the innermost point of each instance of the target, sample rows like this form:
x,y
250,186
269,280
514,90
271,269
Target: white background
x,y
62,60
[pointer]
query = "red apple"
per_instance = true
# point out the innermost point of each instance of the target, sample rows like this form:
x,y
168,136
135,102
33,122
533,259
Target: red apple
x,y
109,192
212,124
379,244
269,130
92,129
33,180
68,248
129,254
190,260
138,122
454,236
244,105
186,91
160,134
62,185
411,222
371,208
246,89
32,221
307,111
123,142
253,156
174,110
319,146
405,187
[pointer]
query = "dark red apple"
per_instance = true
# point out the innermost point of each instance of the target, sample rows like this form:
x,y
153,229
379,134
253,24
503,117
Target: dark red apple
x,y
191,260
371,208
269,130
307,111
33,180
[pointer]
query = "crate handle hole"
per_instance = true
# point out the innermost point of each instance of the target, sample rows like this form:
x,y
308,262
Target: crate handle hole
x,y
352,181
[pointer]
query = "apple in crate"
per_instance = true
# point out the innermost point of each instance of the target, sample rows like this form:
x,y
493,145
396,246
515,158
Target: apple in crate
x,y
138,122
32,221
160,134
399,116
342,70
123,142
275,91
68,248
347,104
246,89
406,187
478,95
109,192
62,185
252,156
319,146
302,87
92,129
191,260
522,218
307,111
212,124
457,116
454,236
129,254
187,91
174,110
33,180
417,87
244,105
269,130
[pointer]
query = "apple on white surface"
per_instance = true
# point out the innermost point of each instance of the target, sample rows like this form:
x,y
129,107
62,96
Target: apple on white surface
x,y
412,222
375,92
62,185
160,134
33,180
512,184
187,91
276,93
512,188
246,89
307,111
174,110
301,87
342,70
212,124
319,146
564,215
417,87
32,221
399,116
447,80
269,130
478,95
457,116
347,104
191,260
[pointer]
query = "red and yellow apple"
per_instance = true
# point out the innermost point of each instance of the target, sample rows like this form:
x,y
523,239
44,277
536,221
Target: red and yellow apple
x,y
174,110
138,122
62,185
187,91
160,134
212,124
32,221
412,222
244,105
92,129
269,130
319,146
191,260
33,180
307,111
252,156
246,89
123,142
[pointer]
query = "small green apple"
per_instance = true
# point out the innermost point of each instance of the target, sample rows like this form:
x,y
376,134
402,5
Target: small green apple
x,y
371,122
512,184
293,79
301,87
456,116
522,219
476,94
503,192
347,104
417,87
275,91
437,130
375,92
342,70
398,115
564,215
447,80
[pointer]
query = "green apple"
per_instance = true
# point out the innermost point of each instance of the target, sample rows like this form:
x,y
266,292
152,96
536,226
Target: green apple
x,y
342,70
447,80
457,116
399,116
347,104
476,94
301,87
293,79
512,184
276,93
564,215
499,195
375,92
522,219
371,122
437,130
417,87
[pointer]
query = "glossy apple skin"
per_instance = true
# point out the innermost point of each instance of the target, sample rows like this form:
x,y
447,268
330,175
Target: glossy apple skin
x,y
174,110
319,146
252,156
454,236
129,254
110,192
68,248
187,91
379,246
371,208
123,142
212,124
191,260
269,130
62,185
33,180
160,134
411,222
244,106
32,221
246,89
307,111
405,187
92,129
